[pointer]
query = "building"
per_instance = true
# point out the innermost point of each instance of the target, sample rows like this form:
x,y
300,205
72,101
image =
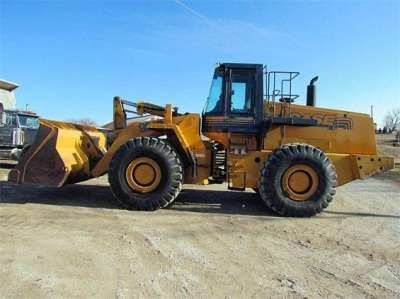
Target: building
x,y
7,96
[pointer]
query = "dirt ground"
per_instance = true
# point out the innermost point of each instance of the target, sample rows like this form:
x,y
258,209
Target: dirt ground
x,y
75,242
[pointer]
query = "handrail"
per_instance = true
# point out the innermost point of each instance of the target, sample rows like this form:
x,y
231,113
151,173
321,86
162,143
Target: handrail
x,y
284,93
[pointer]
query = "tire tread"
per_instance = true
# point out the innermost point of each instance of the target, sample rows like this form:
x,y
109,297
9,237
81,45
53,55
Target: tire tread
x,y
151,201
277,201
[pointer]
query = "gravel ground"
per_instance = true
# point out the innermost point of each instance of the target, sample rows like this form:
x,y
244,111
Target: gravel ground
x,y
75,242
385,146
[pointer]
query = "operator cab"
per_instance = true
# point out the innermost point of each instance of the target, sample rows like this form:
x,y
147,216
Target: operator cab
x,y
235,101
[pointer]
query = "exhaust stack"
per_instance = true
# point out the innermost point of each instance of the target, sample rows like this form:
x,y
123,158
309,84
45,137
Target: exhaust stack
x,y
311,92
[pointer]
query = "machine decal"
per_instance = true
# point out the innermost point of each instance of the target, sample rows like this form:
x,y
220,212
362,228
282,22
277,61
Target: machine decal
x,y
326,120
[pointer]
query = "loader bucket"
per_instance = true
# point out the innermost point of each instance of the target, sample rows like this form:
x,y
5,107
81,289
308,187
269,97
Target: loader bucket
x,y
62,153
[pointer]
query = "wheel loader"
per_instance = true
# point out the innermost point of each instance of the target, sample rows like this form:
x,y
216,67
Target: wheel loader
x,y
251,134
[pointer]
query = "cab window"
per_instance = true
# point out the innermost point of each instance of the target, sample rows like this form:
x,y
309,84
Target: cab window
x,y
28,121
215,103
11,120
242,94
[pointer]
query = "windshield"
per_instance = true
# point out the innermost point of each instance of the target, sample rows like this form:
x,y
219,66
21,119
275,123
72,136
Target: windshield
x,y
28,121
11,120
215,101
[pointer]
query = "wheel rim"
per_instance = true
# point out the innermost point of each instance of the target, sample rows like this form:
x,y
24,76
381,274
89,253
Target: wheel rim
x,y
143,174
300,182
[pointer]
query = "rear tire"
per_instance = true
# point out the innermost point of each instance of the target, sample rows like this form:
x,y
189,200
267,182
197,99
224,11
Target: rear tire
x,y
297,180
158,182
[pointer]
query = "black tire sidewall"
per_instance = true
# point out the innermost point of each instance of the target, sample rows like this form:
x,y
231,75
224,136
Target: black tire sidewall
x,y
271,190
160,197
319,168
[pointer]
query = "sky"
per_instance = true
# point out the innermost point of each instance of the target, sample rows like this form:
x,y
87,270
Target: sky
x,y
71,58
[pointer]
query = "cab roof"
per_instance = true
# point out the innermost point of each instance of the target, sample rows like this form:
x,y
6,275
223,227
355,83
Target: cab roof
x,y
22,112
7,85
239,65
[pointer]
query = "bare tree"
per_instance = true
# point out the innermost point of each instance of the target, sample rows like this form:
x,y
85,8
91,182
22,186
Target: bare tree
x,y
392,119
83,121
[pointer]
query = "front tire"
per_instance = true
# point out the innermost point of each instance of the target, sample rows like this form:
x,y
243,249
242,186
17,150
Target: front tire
x,y
297,180
145,174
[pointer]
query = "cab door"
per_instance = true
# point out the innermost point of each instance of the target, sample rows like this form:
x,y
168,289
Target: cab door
x,y
243,123
241,100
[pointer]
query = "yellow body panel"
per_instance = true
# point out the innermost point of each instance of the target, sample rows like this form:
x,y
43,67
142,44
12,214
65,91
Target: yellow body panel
x,y
186,128
244,171
337,131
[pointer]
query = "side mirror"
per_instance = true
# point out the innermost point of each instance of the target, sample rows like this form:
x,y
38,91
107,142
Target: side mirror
x,y
3,119
2,115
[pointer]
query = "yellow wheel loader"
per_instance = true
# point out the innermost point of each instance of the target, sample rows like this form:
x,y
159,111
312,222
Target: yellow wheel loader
x,y
250,135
